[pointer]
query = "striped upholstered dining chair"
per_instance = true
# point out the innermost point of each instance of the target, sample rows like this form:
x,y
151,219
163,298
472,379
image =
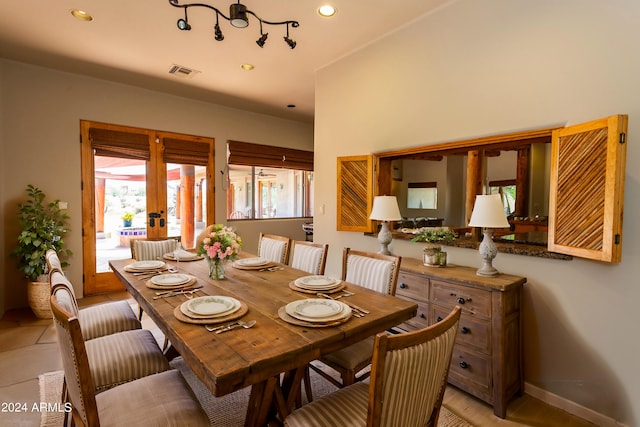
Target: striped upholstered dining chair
x,y
116,358
309,257
101,319
408,379
274,248
152,249
160,399
374,271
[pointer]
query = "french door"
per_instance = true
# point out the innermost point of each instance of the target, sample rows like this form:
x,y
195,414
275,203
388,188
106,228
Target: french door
x,y
140,184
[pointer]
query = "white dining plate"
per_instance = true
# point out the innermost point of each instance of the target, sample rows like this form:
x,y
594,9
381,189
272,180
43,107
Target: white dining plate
x,y
145,265
210,305
291,310
182,255
317,282
184,308
170,279
252,262
318,308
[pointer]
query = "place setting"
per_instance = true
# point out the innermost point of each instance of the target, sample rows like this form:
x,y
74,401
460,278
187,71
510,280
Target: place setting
x,y
315,312
210,309
172,282
317,284
142,267
255,263
182,255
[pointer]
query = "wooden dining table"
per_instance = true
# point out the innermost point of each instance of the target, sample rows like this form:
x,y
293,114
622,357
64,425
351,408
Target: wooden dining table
x,y
258,356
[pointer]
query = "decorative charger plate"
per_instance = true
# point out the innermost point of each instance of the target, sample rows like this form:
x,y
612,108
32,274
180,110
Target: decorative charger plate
x,y
144,265
312,307
172,279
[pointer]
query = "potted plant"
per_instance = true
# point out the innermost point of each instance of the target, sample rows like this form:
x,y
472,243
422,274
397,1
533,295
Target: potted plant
x,y
127,217
434,256
44,226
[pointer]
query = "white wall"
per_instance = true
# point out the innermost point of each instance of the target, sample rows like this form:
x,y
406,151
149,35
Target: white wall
x,y
39,143
482,67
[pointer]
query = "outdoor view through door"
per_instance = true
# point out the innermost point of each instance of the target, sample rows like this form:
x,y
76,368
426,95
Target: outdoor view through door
x,y
140,184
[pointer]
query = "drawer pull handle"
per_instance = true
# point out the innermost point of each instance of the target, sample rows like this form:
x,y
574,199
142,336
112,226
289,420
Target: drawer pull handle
x,y
422,316
464,330
403,286
464,365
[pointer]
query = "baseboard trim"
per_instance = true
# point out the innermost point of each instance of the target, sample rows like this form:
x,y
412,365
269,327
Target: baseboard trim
x,y
571,407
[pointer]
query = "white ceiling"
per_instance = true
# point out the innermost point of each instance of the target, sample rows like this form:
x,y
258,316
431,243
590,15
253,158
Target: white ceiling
x,y
137,41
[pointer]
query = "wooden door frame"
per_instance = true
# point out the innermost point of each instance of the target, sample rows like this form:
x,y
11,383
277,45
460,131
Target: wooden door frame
x,y
93,282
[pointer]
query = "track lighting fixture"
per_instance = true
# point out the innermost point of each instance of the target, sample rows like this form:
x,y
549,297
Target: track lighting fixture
x,y
238,17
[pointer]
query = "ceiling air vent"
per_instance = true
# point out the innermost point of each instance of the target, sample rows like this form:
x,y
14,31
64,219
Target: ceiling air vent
x,y
184,72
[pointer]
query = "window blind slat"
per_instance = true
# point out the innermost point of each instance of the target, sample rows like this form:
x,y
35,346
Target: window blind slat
x,y
248,154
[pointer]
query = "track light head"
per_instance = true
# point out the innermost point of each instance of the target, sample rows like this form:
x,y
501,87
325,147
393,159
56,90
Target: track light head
x,y
291,43
183,24
238,15
262,39
218,33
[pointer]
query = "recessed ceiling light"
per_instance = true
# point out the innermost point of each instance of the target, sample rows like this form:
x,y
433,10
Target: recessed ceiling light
x,y
81,15
326,10
247,67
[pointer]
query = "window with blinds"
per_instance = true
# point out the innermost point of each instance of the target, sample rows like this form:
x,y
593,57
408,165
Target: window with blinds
x,y
268,182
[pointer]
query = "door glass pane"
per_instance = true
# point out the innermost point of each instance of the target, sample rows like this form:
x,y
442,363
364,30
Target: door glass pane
x,y
187,191
120,201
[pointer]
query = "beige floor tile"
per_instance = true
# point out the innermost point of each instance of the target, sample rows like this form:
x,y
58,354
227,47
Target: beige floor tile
x,y
20,336
27,363
26,394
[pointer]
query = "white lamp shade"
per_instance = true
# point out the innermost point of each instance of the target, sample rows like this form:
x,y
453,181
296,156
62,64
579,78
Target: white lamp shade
x,y
385,208
488,212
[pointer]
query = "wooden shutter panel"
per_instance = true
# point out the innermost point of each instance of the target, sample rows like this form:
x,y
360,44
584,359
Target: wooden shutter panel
x,y
355,193
587,189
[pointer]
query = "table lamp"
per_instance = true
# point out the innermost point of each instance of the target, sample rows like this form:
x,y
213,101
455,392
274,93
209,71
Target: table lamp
x,y
385,209
488,213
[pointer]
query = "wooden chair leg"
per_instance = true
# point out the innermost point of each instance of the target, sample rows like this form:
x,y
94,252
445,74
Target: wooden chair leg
x,y
307,384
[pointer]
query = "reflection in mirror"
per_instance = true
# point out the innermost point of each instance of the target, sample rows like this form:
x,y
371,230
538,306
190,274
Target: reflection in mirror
x,y
527,169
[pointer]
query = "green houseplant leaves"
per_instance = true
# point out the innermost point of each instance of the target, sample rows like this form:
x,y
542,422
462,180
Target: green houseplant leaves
x,y
44,226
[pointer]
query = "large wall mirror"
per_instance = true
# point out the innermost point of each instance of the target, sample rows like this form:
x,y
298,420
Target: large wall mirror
x,y
516,166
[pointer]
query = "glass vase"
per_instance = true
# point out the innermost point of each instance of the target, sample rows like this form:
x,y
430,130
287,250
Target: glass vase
x,y
216,268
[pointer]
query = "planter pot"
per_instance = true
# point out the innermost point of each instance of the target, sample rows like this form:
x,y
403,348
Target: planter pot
x,y
434,256
38,294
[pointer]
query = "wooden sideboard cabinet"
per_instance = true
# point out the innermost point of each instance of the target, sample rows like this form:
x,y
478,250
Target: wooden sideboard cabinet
x,y
487,357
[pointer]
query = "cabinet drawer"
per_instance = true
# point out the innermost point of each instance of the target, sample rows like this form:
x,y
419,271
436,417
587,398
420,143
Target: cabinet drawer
x,y
412,286
471,300
471,372
472,332
421,319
